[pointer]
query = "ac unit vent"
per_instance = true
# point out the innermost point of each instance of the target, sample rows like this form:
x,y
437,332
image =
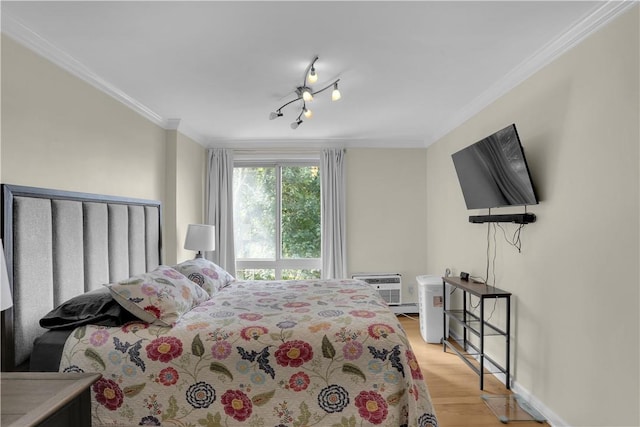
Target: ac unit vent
x,y
389,285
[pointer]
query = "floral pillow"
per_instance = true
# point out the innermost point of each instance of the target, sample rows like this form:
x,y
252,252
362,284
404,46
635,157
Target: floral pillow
x,y
209,276
160,297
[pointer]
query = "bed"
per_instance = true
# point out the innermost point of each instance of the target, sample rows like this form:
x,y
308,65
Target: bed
x,y
205,349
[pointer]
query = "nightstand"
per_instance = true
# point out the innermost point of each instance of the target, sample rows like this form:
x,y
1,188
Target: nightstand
x,y
46,399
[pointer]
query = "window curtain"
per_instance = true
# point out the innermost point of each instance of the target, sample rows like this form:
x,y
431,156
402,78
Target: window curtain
x,y
334,221
219,206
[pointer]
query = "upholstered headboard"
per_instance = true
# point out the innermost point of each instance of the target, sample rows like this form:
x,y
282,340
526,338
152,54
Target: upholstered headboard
x,y
59,244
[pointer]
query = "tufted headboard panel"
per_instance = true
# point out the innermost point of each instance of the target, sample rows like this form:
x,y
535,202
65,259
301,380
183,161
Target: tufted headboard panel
x,y
59,244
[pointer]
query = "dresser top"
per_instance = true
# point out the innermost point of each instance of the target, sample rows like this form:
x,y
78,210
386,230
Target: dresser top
x,y
29,398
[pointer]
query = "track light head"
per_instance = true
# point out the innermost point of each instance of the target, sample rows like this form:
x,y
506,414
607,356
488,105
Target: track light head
x,y
313,76
307,113
275,115
335,95
295,124
307,96
305,93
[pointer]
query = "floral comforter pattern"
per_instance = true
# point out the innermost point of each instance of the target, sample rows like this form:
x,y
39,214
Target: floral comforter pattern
x,y
289,353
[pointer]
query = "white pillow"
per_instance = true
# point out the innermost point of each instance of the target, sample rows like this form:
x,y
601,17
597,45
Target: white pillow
x,y
160,297
211,277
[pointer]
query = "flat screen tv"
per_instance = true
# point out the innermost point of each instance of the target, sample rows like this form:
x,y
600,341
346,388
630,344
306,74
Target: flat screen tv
x,y
493,172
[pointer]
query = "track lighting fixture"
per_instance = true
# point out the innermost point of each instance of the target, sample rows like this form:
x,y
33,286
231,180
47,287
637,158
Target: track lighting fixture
x,y
305,94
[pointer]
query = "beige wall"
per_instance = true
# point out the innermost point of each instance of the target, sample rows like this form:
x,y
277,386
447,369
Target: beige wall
x,y
170,207
185,190
386,207
189,190
59,132
575,284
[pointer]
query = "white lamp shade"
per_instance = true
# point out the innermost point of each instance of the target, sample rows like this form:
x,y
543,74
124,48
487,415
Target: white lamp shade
x,y
5,296
200,237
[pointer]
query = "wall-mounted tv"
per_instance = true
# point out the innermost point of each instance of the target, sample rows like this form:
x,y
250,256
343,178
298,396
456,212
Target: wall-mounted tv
x,y
493,172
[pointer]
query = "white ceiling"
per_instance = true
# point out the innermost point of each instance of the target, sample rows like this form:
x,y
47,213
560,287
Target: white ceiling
x,y
409,71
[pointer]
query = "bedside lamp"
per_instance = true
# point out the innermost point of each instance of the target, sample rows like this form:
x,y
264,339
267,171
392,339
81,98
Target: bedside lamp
x,y
200,237
5,296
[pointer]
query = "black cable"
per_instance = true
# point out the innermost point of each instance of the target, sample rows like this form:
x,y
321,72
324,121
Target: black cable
x,y
495,302
474,307
515,241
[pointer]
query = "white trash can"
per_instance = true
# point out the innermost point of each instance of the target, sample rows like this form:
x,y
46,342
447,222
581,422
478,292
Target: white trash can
x,y
430,300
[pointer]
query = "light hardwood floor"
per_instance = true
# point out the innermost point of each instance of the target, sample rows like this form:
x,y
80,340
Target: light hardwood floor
x,y
454,387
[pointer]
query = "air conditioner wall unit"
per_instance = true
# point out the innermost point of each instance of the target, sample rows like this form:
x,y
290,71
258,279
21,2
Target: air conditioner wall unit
x,y
389,285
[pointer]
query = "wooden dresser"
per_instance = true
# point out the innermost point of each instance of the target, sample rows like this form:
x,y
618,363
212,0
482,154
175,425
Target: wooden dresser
x,y
46,399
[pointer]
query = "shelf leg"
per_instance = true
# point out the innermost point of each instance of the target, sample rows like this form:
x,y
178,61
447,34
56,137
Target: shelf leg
x,y
508,344
464,319
444,316
481,343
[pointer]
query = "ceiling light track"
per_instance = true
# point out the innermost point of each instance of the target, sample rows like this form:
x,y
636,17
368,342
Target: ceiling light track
x,y
305,93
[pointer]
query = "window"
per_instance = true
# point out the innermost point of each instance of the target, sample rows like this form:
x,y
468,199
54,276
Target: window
x,y
276,216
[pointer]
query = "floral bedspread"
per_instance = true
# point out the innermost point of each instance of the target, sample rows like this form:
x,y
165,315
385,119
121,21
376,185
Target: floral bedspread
x,y
289,353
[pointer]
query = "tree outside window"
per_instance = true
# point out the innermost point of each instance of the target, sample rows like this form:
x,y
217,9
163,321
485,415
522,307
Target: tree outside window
x,y
277,223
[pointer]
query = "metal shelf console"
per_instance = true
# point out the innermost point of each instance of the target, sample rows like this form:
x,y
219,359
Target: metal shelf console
x,y
477,325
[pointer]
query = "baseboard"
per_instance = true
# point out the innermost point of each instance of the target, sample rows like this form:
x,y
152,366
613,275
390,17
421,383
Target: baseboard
x,y
551,417
410,308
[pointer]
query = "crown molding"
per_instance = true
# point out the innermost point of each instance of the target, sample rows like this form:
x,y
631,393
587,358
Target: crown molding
x,y
172,124
315,143
541,58
15,29
12,27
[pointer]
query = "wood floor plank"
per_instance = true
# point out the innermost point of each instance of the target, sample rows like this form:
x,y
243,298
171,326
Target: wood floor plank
x,y
454,387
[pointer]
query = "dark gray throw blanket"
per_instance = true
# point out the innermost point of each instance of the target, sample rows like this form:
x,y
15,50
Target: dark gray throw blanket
x,y
96,307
